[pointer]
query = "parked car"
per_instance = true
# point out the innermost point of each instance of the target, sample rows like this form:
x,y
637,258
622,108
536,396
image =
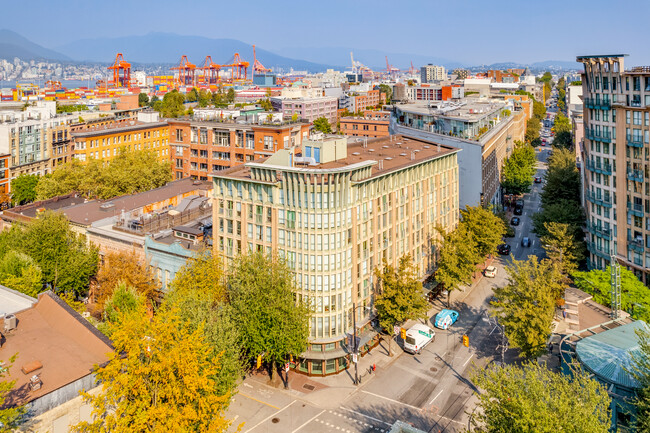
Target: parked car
x,y
514,221
525,242
490,272
503,249
417,337
445,318
538,179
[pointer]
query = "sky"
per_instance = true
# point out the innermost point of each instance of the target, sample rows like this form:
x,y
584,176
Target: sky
x,y
467,31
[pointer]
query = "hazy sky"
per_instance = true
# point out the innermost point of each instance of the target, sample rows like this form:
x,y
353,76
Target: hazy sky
x,y
469,31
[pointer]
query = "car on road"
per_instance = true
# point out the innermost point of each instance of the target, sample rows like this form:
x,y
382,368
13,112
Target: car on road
x,y
514,221
490,272
525,242
518,211
538,179
417,337
445,318
504,249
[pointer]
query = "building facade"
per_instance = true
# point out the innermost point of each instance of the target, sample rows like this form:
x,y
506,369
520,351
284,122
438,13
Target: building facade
x,y
308,108
373,124
616,121
428,92
202,147
430,73
4,175
335,212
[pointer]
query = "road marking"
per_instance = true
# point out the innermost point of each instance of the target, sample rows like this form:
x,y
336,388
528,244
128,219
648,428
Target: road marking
x,y
367,416
269,417
437,395
259,401
470,357
392,400
310,420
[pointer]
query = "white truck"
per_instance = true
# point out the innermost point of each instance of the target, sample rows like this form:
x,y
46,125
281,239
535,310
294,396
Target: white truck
x,y
417,337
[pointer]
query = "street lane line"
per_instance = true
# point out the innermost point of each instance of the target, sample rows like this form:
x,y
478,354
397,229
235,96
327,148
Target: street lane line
x,y
437,395
367,416
259,401
269,417
392,400
471,356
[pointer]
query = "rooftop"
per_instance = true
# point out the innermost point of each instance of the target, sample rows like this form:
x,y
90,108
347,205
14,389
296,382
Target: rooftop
x,y
116,128
12,301
64,343
470,110
384,155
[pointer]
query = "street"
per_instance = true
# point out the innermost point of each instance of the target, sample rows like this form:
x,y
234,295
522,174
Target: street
x,y
431,391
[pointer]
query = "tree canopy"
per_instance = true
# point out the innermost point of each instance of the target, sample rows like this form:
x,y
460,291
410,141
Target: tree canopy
x,y
641,372
323,125
486,227
400,296
532,399
20,272
561,246
143,100
23,189
171,105
203,273
458,258
129,172
519,169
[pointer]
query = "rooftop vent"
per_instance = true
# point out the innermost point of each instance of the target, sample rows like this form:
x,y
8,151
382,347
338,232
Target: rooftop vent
x,y
427,147
107,205
402,154
371,150
356,153
388,158
385,147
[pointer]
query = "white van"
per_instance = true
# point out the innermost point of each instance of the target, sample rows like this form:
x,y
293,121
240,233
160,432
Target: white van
x,y
417,337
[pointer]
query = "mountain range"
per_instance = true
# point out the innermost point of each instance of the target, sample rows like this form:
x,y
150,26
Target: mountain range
x,y
167,48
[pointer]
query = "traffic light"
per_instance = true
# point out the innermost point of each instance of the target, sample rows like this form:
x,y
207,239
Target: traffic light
x,y
465,341
259,361
402,333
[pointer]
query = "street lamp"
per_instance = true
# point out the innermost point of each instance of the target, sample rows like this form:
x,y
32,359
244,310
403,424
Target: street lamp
x,y
355,344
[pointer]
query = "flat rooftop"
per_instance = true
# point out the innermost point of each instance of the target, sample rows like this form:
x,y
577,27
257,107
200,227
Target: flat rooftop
x,y
57,337
470,110
12,301
133,125
395,152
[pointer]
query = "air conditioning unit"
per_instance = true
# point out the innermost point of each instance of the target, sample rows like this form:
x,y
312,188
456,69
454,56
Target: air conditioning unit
x,y
11,322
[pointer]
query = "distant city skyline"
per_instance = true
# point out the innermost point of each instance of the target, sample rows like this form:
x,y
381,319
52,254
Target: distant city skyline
x,y
471,32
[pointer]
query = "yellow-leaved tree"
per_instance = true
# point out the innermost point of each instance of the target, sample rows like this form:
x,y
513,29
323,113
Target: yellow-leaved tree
x,y
160,378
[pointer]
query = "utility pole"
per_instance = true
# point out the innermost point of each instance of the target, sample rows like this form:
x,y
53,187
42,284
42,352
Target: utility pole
x,y
356,346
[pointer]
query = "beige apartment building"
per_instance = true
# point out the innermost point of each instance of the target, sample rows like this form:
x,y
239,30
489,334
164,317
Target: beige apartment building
x,y
616,152
335,210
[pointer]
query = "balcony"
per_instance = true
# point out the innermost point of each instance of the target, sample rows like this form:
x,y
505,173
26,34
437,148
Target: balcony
x,y
635,244
598,167
597,103
604,137
598,250
635,209
635,175
600,200
634,141
600,231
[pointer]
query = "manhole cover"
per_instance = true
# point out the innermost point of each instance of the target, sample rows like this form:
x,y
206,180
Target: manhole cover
x,y
275,420
433,369
309,387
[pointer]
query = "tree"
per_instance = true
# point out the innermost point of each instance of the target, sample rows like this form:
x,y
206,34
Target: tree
x,y
487,228
323,125
564,212
18,271
458,258
192,95
635,296
533,129
204,98
23,189
124,300
519,169
269,317
265,104
525,307
160,377
539,110
66,260
640,370
127,268
203,273
171,104
230,96
399,296
388,91
561,246
10,417
533,399
143,100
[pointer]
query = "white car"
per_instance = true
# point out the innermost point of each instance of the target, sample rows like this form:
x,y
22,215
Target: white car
x,y
490,272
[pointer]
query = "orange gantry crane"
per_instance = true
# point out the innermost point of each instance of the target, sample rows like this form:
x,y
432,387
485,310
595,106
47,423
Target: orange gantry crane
x,y
238,68
257,66
121,72
210,71
186,72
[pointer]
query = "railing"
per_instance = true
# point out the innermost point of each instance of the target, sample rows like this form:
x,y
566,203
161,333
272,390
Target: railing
x,y
160,222
597,103
598,250
599,199
635,244
605,137
635,175
635,209
599,167
634,141
600,231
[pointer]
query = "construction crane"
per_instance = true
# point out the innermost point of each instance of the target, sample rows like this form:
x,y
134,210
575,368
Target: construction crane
x,y
186,72
412,70
53,85
210,71
389,68
238,68
257,66
121,72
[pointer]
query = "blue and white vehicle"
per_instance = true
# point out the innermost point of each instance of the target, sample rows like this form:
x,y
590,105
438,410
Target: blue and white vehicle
x,y
445,318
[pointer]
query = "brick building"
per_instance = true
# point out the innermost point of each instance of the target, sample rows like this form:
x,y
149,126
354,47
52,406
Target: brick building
x,y
373,124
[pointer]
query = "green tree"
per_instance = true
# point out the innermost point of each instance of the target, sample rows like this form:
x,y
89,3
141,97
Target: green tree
x,y
533,129
143,100
18,271
487,228
539,110
204,98
23,189
525,306
530,398
519,169
635,296
230,96
388,91
561,246
323,125
172,104
192,95
10,417
265,104
269,317
399,296
161,377
124,300
640,370
458,258
203,273
547,77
